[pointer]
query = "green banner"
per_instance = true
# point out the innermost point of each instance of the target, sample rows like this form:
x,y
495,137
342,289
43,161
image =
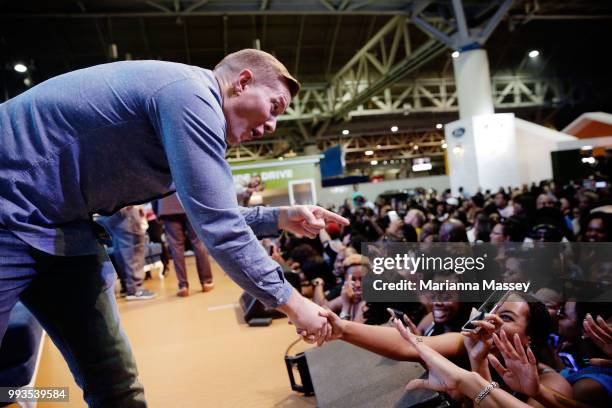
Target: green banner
x,y
277,174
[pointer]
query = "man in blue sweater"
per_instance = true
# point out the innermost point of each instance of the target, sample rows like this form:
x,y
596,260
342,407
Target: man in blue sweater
x,y
101,138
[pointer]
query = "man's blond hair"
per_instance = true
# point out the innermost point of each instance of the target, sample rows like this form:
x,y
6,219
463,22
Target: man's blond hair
x,y
262,64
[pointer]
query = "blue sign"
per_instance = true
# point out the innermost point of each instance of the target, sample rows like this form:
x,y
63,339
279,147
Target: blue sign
x,y
458,132
332,165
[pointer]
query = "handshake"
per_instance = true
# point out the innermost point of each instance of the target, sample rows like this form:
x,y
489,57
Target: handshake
x,y
314,323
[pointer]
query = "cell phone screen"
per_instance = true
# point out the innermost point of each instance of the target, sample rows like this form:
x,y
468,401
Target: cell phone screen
x,y
489,306
398,314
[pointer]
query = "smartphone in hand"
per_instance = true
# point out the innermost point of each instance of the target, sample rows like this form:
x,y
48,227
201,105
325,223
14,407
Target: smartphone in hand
x,y
398,314
490,305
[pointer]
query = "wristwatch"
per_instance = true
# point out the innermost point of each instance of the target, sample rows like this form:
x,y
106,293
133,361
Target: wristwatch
x,y
345,316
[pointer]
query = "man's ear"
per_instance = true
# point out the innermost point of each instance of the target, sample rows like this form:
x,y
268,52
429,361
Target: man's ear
x,y
245,78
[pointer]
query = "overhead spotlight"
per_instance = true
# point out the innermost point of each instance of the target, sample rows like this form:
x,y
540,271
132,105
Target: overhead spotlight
x,y
455,54
385,162
415,147
394,128
533,53
457,150
392,161
21,68
444,145
439,126
345,132
369,152
374,162
378,146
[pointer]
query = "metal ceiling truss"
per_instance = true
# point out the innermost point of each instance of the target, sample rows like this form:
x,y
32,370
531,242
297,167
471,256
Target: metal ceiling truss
x,y
394,146
264,149
186,8
318,102
464,35
385,146
386,58
195,8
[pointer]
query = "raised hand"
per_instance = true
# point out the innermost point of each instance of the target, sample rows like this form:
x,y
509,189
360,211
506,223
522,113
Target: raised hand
x,y
444,376
521,371
599,332
348,290
479,342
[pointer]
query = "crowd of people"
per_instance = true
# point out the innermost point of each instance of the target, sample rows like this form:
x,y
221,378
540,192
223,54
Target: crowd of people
x,y
546,347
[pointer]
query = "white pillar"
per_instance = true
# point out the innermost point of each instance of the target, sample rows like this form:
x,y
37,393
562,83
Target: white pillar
x,y
473,82
482,148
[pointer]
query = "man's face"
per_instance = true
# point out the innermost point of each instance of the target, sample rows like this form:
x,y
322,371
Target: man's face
x,y
596,231
500,201
254,108
545,201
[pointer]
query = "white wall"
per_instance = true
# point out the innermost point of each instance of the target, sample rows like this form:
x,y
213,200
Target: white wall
x,y
336,195
482,152
573,144
534,144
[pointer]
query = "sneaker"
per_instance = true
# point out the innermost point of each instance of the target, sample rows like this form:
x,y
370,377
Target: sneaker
x,y
183,292
208,286
141,294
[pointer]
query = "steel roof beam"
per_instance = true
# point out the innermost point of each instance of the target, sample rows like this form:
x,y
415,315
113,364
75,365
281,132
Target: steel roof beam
x,y
317,102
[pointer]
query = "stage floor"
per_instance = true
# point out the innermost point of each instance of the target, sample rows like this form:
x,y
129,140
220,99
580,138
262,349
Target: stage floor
x,y
196,351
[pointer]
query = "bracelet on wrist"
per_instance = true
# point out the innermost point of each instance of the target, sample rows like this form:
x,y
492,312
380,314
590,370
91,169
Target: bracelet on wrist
x,y
485,391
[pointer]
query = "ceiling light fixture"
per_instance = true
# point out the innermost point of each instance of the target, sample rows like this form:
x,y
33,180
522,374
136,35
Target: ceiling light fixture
x,y
21,68
534,53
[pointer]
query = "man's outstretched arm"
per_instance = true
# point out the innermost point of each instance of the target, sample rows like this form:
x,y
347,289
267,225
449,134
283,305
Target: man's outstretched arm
x,y
187,115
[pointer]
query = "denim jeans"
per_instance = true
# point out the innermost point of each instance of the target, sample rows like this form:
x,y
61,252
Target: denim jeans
x,y
128,246
72,298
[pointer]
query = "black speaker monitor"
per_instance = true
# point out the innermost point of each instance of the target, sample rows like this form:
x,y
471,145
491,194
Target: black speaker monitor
x,y
253,308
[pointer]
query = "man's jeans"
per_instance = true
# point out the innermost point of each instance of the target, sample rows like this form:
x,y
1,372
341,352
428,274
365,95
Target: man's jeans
x,y
128,246
73,299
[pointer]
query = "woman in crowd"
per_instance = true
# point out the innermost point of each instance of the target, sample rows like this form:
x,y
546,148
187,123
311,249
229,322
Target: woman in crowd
x,y
582,337
519,315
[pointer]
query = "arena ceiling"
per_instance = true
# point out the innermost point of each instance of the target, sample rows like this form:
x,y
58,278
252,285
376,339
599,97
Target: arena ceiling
x,y
324,42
